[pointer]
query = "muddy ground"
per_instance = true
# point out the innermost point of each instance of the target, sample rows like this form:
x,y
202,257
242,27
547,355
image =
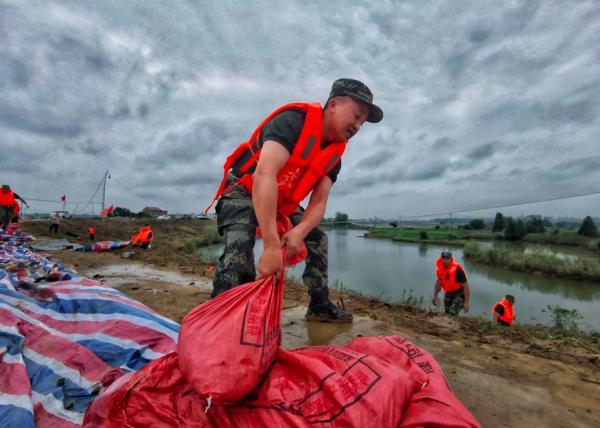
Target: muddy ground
x,y
520,377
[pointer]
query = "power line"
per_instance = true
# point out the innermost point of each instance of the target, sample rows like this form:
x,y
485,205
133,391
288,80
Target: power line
x,y
556,198
53,201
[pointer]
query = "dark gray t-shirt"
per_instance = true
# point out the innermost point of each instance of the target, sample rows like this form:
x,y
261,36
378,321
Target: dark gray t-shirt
x,y
285,129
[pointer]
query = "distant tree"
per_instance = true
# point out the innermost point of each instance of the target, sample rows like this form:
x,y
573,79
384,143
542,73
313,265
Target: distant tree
x,y
121,212
477,224
498,223
423,235
535,224
142,214
341,218
437,226
394,224
466,227
514,230
588,228
547,222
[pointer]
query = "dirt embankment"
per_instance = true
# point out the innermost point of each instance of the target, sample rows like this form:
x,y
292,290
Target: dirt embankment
x,y
520,377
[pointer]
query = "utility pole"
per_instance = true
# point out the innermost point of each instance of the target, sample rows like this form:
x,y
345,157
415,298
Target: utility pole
x,y
106,177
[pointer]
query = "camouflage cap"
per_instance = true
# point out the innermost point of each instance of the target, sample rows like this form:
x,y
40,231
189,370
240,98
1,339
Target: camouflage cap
x,y
358,91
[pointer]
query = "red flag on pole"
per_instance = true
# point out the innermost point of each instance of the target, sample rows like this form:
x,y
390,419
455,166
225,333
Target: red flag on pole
x,y
63,198
106,212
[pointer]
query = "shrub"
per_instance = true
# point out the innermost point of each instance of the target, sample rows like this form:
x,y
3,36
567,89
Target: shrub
x,y
477,224
588,228
514,230
423,235
498,223
565,320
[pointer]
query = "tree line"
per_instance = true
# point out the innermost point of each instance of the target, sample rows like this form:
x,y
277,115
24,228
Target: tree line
x,y
516,229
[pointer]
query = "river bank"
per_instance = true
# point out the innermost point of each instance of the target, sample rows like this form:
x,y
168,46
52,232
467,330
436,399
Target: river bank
x,y
459,237
537,260
540,259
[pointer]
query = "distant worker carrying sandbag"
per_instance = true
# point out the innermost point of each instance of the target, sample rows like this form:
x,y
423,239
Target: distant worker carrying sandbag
x,y
296,150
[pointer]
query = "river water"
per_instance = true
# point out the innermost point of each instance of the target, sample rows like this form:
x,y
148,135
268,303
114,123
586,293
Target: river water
x,y
395,271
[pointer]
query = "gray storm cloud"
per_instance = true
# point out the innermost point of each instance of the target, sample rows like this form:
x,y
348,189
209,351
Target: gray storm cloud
x,y
485,102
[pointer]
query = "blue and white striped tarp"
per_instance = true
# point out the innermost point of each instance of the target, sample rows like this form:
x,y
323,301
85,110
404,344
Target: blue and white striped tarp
x,y
65,338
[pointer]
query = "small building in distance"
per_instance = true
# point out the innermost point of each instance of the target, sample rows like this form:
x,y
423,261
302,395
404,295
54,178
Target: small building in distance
x,y
154,211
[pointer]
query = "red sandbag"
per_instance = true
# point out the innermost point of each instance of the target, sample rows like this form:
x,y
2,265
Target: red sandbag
x,y
435,404
284,224
395,384
226,345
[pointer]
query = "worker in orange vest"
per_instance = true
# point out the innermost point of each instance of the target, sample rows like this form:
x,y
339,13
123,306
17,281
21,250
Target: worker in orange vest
x,y
146,236
8,200
143,237
451,278
92,233
294,152
504,311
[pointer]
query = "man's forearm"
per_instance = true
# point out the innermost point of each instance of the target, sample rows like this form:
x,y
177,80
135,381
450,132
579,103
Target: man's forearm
x,y
467,292
264,200
436,288
312,217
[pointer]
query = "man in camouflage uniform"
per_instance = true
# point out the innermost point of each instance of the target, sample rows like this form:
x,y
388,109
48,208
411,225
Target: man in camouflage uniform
x,y
237,219
457,299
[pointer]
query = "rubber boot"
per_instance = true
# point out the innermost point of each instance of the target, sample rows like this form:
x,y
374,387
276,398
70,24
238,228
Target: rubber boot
x,y
321,309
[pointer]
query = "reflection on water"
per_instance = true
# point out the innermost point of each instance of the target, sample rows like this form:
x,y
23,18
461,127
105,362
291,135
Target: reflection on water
x,y
390,270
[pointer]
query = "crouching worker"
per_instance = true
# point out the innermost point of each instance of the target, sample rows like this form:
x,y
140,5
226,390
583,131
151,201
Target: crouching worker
x,y
504,311
451,277
296,150
143,238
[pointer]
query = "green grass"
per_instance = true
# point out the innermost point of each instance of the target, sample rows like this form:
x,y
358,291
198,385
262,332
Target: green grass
x,y
433,236
459,237
208,235
539,259
562,238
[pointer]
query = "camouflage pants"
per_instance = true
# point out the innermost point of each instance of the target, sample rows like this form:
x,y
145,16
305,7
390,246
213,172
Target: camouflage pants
x,y
454,302
6,214
237,224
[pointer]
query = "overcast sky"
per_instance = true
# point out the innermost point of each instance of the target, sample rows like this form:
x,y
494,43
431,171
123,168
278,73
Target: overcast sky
x,y
485,102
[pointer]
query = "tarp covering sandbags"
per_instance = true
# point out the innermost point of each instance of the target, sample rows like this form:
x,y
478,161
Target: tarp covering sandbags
x,y
13,236
229,371
103,246
52,245
63,343
25,268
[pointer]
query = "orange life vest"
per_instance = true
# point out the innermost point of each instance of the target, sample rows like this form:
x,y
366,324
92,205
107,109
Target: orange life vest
x,y
91,231
303,169
16,210
144,235
447,276
7,199
509,311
